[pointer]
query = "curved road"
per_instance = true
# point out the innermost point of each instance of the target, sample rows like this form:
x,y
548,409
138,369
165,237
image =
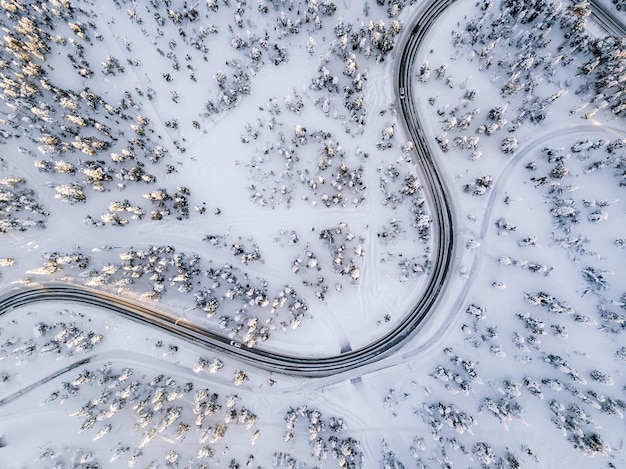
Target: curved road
x,y
277,362
302,366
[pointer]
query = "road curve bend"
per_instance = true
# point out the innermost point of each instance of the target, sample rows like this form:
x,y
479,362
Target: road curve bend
x,y
298,365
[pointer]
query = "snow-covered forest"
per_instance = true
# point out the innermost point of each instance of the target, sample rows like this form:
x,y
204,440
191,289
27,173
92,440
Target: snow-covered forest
x,y
243,165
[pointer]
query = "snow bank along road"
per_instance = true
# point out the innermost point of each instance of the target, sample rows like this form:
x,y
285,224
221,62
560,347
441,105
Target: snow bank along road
x,y
296,365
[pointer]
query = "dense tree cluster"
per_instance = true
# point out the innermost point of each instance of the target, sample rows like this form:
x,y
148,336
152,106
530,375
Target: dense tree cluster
x,y
399,183
115,214
312,163
245,250
340,258
64,121
350,46
326,436
332,169
607,71
19,208
57,261
167,204
342,245
394,7
375,39
58,339
435,414
71,193
574,422
479,186
146,408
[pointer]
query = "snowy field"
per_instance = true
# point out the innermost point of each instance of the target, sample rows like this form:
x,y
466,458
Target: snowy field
x,y
243,166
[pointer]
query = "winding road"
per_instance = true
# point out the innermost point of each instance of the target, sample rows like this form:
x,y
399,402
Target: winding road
x,y
298,365
278,362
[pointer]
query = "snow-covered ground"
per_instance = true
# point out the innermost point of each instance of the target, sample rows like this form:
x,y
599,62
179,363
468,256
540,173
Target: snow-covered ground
x,y
242,165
